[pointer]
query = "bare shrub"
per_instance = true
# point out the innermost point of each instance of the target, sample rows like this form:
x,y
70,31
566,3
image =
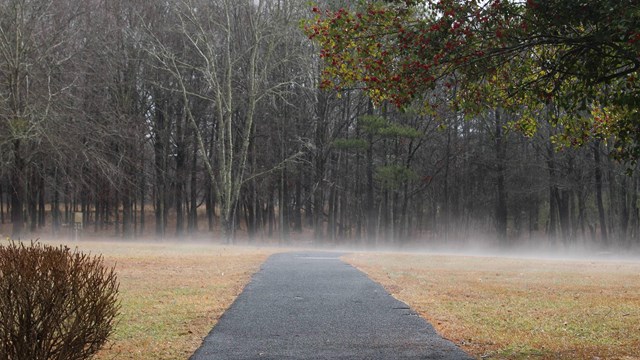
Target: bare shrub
x,y
54,303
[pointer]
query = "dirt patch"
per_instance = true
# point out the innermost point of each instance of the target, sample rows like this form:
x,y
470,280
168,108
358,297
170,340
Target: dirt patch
x,y
501,308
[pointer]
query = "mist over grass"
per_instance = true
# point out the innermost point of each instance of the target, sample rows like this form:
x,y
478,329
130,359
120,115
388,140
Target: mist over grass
x,y
172,291
482,246
497,303
539,248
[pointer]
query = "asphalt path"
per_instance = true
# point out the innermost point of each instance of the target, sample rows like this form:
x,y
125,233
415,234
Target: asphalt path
x,y
314,306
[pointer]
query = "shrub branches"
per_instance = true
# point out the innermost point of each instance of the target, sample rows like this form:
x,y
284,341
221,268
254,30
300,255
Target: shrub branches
x,y
54,303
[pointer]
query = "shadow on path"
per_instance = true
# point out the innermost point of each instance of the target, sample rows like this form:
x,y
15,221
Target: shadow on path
x,y
314,306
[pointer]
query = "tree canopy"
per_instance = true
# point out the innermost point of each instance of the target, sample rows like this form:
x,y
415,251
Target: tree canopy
x,y
581,56
204,118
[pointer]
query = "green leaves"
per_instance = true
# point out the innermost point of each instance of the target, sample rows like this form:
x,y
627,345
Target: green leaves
x,y
377,125
389,176
516,55
393,176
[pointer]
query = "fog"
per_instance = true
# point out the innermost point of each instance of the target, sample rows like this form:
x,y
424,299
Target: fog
x,y
539,248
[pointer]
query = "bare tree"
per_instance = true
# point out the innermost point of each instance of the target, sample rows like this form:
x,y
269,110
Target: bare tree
x,y
231,45
36,43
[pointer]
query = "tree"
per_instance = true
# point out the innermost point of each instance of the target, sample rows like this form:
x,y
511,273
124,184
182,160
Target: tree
x,y
234,61
36,43
570,52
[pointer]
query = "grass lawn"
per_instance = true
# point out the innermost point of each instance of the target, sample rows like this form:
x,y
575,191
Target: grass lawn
x,y
171,294
505,308
494,308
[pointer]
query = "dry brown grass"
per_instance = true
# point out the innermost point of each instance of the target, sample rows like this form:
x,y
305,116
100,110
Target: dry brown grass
x,y
172,294
500,308
495,308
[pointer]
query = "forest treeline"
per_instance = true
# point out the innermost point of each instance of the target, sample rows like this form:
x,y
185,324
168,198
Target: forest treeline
x,y
205,118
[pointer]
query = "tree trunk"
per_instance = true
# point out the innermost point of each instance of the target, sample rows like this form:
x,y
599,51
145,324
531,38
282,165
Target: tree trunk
x,y
193,208
97,205
127,215
284,206
41,203
446,211
116,214
17,191
160,158
404,215
371,208
67,205
563,200
320,160
635,212
553,195
624,211
582,209
32,199
297,209
534,214
181,168
210,204
2,220
143,194
55,207
599,201
501,168
331,214
271,217
250,213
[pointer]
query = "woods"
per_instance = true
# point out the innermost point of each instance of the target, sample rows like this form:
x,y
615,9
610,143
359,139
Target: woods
x,y
208,119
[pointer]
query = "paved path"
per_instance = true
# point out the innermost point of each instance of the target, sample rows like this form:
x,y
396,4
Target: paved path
x,y
314,306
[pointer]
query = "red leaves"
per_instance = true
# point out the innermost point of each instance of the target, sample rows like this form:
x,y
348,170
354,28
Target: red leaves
x,y
325,84
450,45
390,56
375,11
437,58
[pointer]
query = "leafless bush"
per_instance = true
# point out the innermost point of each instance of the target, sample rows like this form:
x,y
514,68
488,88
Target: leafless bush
x,y
54,303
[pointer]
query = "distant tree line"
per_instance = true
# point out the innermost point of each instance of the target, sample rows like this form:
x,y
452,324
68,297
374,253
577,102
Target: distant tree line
x,y
194,117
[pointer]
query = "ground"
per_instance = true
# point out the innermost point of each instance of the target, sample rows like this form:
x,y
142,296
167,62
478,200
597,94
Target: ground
x,y
172,293
514,308
494,307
